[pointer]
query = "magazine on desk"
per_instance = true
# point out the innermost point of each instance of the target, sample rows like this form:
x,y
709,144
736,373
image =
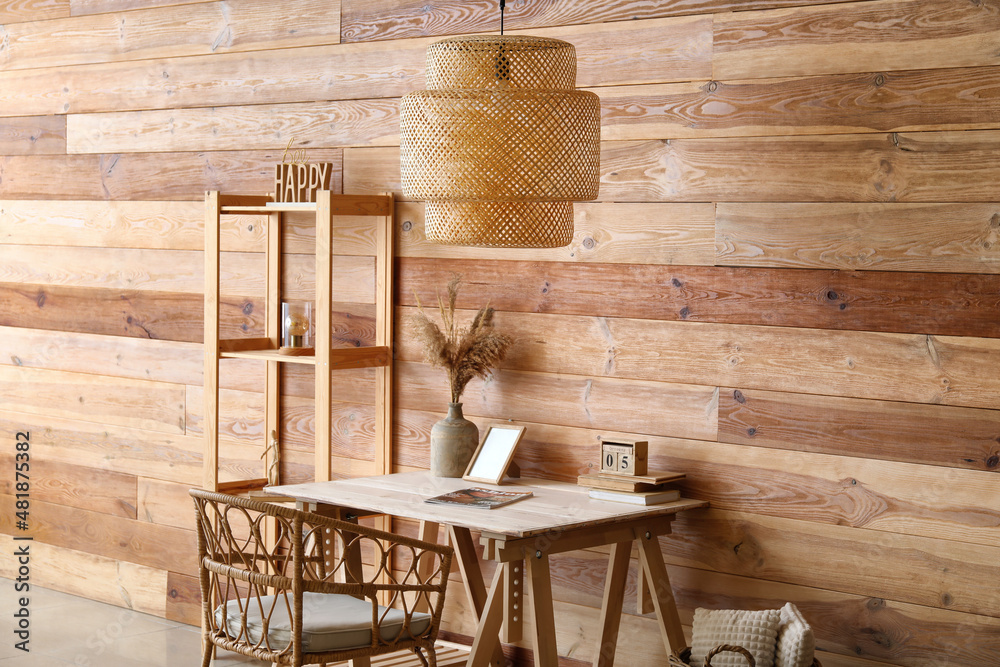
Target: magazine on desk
x,y
479,498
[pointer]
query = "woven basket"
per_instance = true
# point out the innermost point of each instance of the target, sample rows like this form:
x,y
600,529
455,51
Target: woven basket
x,y
683,657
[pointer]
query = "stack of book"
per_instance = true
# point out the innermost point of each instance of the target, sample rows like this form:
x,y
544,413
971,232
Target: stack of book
x,y
649,489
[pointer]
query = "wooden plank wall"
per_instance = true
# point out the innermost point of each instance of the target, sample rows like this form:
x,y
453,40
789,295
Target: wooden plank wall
x,y
790,286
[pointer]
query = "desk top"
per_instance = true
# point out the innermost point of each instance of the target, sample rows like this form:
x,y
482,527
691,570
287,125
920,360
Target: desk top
x,y
554,506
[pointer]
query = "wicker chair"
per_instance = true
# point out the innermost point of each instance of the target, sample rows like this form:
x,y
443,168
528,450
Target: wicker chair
x,y
307,599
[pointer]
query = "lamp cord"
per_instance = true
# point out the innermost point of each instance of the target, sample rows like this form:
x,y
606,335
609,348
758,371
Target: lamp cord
x,y
502,5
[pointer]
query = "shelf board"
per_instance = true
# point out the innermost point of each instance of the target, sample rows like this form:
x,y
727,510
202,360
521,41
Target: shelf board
x,y
340,358
339,205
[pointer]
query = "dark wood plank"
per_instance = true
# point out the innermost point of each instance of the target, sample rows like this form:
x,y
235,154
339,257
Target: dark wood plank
x,y
368,20
949,304
166,176
929,99
135,313
33,135
183,598
932,434
864,36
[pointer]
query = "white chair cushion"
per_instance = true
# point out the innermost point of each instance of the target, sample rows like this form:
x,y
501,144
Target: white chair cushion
x,y
330,622
755,631
796,643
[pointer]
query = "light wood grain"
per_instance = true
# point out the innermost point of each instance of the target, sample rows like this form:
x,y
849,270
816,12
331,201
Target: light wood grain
x,y
858,37
177,271
158,32
334,124
675,49
588,401
955,238
164,456
68,483
930,434
902,367
164,503
160,547
918,570
907,167
35,135
620,233
109,580
149,406
946,99
901,498
161,176
17,11
366,20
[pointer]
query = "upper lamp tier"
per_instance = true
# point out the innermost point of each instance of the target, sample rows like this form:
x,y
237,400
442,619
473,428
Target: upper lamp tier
x,y
500,121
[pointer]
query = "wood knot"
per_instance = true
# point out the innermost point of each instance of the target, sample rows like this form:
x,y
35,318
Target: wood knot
x,y
407,225
739,397
676,283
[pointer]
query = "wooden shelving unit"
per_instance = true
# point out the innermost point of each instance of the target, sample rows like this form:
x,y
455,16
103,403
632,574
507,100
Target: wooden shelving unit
x,y
326,359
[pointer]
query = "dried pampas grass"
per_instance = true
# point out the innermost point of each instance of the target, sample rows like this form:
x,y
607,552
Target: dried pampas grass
x,y
464,353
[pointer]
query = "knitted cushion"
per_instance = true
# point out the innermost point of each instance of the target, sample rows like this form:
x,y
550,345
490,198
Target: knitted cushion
x,y
796,643
330,622
755,631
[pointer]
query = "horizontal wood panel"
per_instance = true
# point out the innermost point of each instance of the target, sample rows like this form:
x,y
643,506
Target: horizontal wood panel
x,y
65,483
81,7
882,496
669,49
108,580
857,627
365,20
608,232
165,503
17,11
173,316
931,434
34,135
954,238
960,305
952,99
639,406
912,167
900,367
352,427
174,458
881,35
200,28
112,356
937,167
314,125
179,271
160,547
149,406
918,570
161,176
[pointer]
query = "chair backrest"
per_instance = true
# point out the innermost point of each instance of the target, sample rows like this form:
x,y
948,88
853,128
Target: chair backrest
x,y
256,560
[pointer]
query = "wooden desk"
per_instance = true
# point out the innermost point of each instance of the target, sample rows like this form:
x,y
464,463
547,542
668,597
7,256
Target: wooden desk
x,y
521,537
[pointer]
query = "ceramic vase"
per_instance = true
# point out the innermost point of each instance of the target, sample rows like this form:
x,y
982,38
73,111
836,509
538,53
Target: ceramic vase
x,y
453,442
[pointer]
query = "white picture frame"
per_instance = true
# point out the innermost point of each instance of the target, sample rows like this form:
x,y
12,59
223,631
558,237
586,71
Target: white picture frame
x,y
493,456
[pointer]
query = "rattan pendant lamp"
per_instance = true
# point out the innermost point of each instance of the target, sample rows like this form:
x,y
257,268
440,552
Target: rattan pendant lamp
x,y
501,143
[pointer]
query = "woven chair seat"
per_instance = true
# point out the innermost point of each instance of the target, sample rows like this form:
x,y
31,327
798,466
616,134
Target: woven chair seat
x,y
329,622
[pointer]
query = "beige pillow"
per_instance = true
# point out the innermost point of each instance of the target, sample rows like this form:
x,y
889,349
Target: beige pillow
x,y
796,643
756,631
